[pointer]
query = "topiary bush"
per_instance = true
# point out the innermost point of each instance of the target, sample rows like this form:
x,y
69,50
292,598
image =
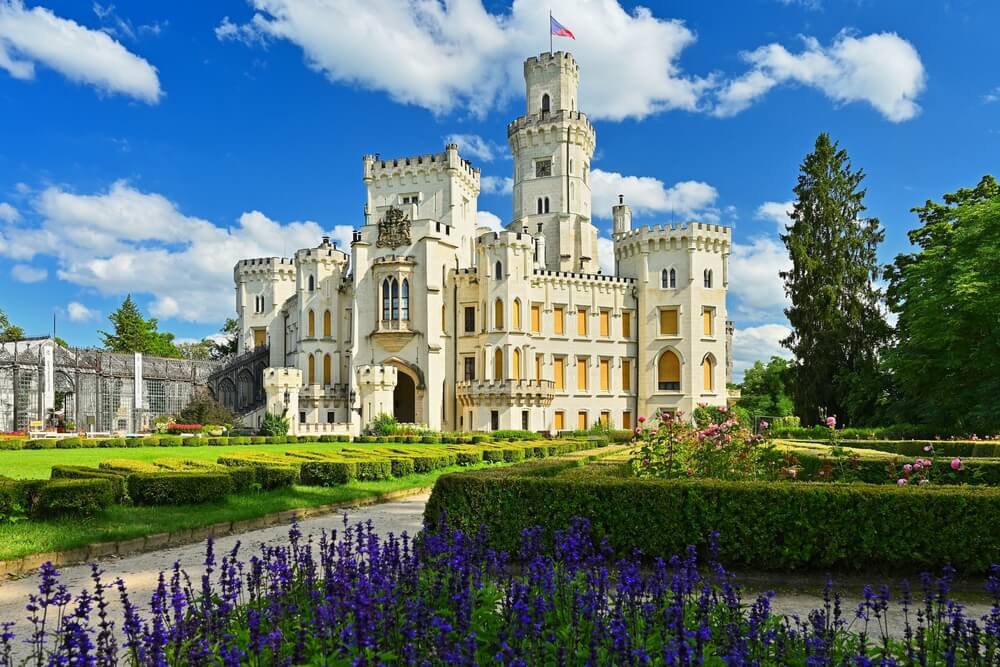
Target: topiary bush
x,y
178,488
328,473
72,497
83,472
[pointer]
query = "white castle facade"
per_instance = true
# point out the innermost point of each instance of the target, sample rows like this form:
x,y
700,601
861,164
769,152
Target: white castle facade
x,y
440,322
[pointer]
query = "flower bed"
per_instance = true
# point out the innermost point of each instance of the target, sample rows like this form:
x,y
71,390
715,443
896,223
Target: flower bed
x,y
768,525
449,600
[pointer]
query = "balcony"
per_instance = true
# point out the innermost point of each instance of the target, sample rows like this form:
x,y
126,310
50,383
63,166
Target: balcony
x,y
505,392
320,392
393,335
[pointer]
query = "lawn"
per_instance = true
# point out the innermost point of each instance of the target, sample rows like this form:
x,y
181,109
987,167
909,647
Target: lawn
x,y
122,523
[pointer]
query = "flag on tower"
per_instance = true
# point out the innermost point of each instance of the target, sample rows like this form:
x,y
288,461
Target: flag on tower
x,y
558,29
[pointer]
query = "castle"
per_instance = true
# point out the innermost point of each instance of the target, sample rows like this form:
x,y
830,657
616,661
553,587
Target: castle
x,y
441,322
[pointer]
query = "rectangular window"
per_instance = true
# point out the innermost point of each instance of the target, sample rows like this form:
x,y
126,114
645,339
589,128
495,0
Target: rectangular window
x,y
470,368
581,420
581,374
302,417
524,420
495,420
627,419
536,318
410,199
470,319
626,375
605,418
708,321
559,372
559,321
626,324
605,323
668,322
605,375
581,322
331,417
259,337
559,421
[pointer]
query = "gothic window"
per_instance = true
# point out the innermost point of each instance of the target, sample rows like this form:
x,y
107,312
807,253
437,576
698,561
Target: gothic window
x,y
395,299
673,279
498,314
668,372
515,364
546,204
539,205
327,324
405,301
327,370
545,102
708,277
312,324
498,270
708,372
312,284
311,369
664,279
515,315
385,298
498,364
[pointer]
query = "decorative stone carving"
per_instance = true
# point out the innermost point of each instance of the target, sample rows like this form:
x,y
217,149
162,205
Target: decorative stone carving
x,y
393,229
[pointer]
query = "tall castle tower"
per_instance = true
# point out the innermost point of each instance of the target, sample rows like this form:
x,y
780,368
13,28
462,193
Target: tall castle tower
x,y
553,144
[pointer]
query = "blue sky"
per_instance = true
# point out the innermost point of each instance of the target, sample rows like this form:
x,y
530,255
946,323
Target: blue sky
x,y
145,146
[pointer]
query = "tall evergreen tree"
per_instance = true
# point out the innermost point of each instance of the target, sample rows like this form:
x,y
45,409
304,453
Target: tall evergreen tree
x,y
134,333
838,326
946,362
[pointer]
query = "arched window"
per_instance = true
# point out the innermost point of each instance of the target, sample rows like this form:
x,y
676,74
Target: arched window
x,y
545,102
498,364
498,314
312,284
539,205
327,370
708,372
498,270
673,278
515,315
404,311
668,372
395,299
311,370
386,296
327,324
664,279
546,204
312,324
708,277
515,364
571,166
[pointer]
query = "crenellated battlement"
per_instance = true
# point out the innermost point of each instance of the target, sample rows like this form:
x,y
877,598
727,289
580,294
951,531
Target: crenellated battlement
x,y
506,238
562,60
427,164
699,235
271,268
377,375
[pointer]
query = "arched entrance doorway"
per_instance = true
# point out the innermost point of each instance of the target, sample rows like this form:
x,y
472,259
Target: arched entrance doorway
x,y
404,399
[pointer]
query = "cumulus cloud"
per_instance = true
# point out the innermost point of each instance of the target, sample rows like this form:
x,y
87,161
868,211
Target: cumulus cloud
x,y
77,312
8,213
606,255
487,219
497,185
126,240
778,212
37,36
647,195
882,69
475,147
25,273
992,96
758,343
754,281
471,58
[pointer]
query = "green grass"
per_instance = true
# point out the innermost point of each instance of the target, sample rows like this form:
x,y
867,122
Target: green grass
x,y
123,523
37,463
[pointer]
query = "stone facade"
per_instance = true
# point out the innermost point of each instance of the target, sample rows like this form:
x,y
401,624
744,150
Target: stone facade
x,y
445,323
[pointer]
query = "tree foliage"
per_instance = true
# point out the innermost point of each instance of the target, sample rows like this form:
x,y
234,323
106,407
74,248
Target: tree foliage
x,y
134,333
946,363
203,409
9,332
765,389
838,327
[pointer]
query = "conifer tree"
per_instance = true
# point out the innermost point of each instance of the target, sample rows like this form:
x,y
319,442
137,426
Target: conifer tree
x,y
838,324
134,333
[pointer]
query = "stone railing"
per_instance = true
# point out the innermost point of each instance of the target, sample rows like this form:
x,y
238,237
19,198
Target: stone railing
x,y
505,392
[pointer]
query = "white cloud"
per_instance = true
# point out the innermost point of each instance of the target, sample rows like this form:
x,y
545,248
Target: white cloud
x,y
498,185
606,255
470,58
8,213
754,281
992,96
77,312
647,195
474,146
778,212
758,343
882,69
126,240
25,273
36,35
487,219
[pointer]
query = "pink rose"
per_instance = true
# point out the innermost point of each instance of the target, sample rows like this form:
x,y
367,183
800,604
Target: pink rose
x,y
831,421
956,464
901,481
764,425
642,419
908,467
918,465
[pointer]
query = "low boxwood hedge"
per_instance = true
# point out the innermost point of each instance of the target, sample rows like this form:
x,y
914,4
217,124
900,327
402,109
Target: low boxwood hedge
x,y
765,525
178,488
83,472
912,448
73,497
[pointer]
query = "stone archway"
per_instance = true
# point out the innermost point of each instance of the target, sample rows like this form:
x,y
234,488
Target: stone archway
x,y
404,399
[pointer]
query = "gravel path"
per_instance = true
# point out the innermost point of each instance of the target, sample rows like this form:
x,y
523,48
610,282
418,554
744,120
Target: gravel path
x,y
795,596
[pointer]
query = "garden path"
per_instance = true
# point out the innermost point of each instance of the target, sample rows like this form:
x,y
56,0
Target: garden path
x,y
796,595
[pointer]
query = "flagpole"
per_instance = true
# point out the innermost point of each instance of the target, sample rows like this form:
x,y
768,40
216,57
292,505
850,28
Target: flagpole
x,y
550,32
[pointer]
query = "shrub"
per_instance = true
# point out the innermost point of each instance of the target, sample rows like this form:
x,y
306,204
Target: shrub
x,y
258,440
477,438
515,435
150,441
178,488
13,501
111,442
276,440
384,424
203,409
127,466
328,473
83,472
275,476
41,443
373,469
401,466
75,497
773,525
468,457
428,439
170,441
217,442
12,443
273,425
179,429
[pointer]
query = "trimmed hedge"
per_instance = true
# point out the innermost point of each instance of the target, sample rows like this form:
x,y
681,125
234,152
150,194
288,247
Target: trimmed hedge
x,y
83,472
73,497
894,432
767,525
912,448
178,488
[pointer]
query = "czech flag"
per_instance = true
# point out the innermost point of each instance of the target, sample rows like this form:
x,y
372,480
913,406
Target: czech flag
x,y
558,29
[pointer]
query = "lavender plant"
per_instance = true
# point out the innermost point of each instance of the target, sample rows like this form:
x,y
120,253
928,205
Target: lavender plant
x,y
354,598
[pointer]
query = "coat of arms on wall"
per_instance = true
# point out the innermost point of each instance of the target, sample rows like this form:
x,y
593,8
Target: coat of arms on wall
x,y
393,229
